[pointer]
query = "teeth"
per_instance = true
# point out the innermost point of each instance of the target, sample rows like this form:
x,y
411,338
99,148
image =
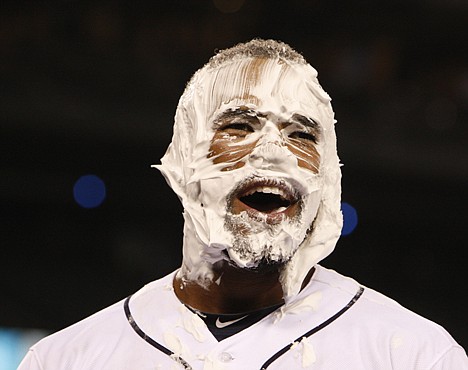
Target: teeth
x,y
271,190
267,190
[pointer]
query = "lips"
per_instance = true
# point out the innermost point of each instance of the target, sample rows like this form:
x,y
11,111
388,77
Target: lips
x,y
270,199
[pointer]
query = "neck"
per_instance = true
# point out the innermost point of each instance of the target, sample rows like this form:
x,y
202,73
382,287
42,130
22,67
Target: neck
x,y
234,290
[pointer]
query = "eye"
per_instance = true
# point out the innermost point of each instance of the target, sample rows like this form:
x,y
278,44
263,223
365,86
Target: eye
x,y
301,135
237,129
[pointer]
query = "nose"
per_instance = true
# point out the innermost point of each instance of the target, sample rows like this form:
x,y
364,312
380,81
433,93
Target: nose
x,y
270,150
270,134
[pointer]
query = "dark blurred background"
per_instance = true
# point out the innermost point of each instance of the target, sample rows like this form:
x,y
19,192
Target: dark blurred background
x,y
90,87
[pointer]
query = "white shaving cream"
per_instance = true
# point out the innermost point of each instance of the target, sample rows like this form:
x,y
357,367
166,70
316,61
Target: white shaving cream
x,y
277,89
193,324
309,303
308,353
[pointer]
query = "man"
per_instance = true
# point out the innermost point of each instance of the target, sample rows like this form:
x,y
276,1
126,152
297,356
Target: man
x,y
253,160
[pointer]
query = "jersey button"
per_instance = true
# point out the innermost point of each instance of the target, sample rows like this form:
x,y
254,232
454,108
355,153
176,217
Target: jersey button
x,y
225,357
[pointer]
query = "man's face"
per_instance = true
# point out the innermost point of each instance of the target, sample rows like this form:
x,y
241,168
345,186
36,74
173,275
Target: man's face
x,y
244,135
266,142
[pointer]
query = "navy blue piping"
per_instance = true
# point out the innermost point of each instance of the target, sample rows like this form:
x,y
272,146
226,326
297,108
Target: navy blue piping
x,y
150,340
272,359
282,351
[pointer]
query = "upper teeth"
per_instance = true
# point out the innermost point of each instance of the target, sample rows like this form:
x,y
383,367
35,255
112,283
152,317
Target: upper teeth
x,y
267,189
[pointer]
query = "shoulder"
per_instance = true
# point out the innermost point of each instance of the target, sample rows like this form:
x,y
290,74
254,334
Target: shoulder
x,y
94,337
110,317
375,308
388,329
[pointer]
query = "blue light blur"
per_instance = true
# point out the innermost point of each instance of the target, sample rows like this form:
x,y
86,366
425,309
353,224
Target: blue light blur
x,y
14,344
89,191
350,218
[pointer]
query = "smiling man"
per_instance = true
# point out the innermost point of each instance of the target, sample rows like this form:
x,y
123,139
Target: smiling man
x,y
253,160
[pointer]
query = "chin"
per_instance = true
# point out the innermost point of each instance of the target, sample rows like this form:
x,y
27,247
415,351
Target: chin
x,y
262,266
256,242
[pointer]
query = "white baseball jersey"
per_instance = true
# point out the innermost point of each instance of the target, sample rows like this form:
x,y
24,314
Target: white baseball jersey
x,y
333,323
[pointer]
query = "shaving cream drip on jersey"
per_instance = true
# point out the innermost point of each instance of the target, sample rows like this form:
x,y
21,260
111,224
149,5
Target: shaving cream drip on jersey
x,y
272,90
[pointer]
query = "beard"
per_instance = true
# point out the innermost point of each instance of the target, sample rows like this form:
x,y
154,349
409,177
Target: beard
x,y
256,243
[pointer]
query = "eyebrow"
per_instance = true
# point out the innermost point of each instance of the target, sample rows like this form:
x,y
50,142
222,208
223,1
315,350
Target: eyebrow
x,y
306,121
238,113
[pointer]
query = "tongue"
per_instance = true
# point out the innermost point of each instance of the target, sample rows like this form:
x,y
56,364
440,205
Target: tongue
x,y
265,203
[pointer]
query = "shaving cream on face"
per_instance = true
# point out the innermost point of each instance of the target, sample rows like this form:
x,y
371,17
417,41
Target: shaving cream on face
x,y
277,90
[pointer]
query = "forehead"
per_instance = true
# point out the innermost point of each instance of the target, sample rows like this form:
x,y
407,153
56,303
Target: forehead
x,y
269,86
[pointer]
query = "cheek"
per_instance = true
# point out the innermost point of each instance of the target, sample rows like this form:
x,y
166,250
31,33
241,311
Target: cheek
x,y
229,152
307,155
232,152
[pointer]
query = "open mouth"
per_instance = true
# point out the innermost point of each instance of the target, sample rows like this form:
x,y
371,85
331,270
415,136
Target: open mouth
x,y
266,200
269,197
